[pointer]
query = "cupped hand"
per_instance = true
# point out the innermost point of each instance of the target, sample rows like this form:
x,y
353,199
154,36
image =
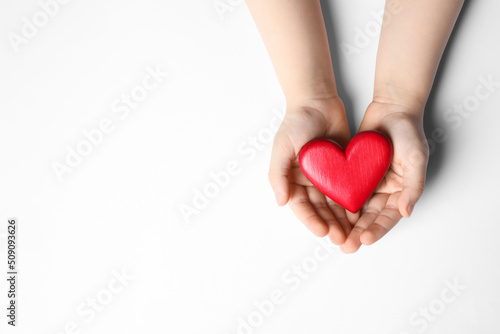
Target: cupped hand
x,y
303,123
403,184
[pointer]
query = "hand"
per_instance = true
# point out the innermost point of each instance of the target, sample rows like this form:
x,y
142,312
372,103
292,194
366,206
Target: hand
x,y
403,185
303,123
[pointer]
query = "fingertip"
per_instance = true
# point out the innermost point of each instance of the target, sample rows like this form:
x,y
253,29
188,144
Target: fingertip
x,y
346,249
343,250
350,246
320,231
337,239
403,206
281,197
404,213
367,238
281,190
406,209
410,209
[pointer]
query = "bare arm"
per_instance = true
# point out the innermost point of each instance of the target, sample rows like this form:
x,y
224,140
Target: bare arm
x,y
295,37
411,44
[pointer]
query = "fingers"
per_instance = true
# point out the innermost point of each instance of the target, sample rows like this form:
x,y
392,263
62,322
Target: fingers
x,y
352,217
282,157
374,207
413,182
386,220
297,176
336,232
305,212
340,214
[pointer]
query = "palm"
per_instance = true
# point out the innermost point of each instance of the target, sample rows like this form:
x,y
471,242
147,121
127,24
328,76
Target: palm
x,y
402,183
318,213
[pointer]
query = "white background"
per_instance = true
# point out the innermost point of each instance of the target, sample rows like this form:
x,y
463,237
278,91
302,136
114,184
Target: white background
x,y
119,210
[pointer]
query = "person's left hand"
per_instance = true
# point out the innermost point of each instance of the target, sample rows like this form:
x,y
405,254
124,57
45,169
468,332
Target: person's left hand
x,y
403,184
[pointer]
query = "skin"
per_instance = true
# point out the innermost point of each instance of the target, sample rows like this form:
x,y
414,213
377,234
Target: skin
x,y
411,44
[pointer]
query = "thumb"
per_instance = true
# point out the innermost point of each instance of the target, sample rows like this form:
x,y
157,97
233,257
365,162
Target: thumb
x,y
413,182
282,157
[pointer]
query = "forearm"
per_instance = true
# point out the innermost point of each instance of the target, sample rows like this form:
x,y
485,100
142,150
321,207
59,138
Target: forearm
x,y
411,44
295,37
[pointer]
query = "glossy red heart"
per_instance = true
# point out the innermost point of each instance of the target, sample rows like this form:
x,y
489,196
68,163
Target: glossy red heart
x,y
348,177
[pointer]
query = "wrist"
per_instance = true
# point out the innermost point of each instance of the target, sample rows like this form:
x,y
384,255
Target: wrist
x,y
330,107
379,113
318,90
406,100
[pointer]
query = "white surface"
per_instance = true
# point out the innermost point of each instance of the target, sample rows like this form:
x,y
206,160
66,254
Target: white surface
x,y
120,207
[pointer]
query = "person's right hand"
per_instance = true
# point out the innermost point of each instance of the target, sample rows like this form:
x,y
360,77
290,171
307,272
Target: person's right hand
x,y
302,123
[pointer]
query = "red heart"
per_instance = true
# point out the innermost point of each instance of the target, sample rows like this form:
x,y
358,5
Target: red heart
x,y
348,177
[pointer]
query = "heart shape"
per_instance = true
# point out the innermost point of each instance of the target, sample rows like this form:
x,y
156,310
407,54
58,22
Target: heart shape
x,y
348,177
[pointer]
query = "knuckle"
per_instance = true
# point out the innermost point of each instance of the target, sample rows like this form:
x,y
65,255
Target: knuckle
x,y
357,229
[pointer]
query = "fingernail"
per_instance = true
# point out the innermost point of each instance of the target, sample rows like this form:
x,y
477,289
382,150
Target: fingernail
x,y
410,208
